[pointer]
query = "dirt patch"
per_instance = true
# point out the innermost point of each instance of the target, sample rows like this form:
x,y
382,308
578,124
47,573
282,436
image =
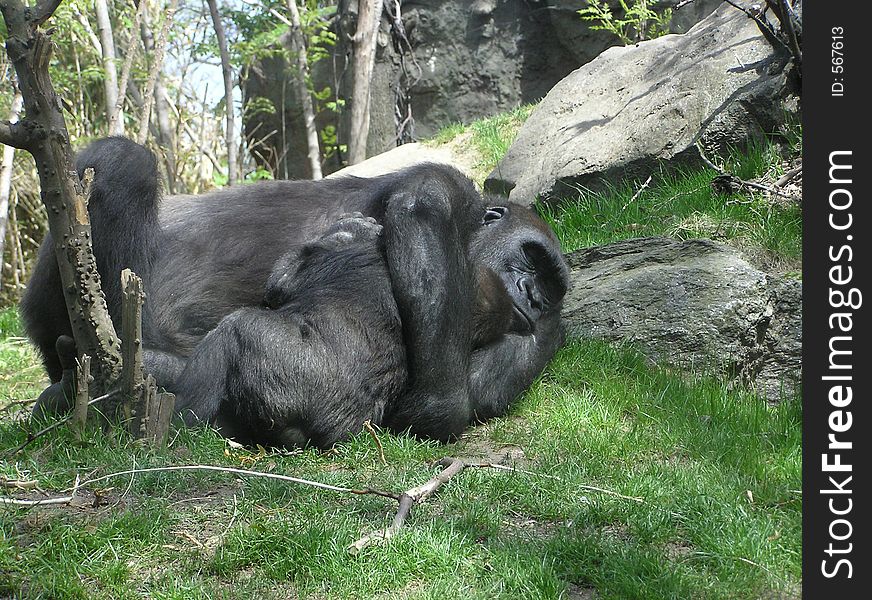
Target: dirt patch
x,y
579,592
533,528
677,550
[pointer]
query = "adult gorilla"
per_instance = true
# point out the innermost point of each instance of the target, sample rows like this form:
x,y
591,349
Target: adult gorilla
x,y
475,293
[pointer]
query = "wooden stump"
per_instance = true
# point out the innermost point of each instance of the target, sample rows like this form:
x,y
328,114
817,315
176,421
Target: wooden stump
x,y
147,411
80,408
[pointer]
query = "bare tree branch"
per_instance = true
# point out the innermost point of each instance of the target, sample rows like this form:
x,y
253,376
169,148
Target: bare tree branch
x,y
248,473
416,495
110,70
44,501
227,72
156,65
116,119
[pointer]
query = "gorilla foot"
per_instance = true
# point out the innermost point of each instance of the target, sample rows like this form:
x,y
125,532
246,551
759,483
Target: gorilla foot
x,y
350,227
58,398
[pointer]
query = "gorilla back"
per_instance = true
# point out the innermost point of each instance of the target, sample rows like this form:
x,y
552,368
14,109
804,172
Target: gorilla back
x,y
204,257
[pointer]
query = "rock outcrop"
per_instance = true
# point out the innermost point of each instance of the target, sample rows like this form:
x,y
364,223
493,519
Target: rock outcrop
x,y
691,304
634,109
469,59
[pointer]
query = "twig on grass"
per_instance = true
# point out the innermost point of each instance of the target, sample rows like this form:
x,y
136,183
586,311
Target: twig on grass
x,y
789,176
45,501
726,180
31,437
247,473
15,403
18,484
381,451
638,193
416,495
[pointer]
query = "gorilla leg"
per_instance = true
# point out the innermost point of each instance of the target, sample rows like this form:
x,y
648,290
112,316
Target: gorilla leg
x,y
123,209
164,366
428,224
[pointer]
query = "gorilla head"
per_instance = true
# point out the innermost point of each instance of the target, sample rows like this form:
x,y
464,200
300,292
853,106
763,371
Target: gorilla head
x,y
522,275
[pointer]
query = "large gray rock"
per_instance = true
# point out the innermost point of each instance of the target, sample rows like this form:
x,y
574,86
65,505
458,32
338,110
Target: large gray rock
x,y
402,157
634,108
693,304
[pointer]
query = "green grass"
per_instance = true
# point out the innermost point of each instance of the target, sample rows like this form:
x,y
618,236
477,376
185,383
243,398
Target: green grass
x,y
718,472
489,137
683,205
21,375
493,136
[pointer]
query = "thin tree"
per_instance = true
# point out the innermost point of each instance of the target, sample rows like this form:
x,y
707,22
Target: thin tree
x,y
116,119
364,44
6,174
230,135
107,48
164,132
301,81
154,71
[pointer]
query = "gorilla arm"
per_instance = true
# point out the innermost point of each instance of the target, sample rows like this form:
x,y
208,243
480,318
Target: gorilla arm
x,y
501,371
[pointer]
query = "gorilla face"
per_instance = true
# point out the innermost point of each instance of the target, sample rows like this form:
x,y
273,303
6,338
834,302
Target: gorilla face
x,y
522,253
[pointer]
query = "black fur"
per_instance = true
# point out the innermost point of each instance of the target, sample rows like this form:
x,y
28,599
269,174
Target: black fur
x,y
266,327
322,356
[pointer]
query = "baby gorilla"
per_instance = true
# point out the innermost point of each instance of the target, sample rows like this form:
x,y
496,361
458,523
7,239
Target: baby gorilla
x,y
322,355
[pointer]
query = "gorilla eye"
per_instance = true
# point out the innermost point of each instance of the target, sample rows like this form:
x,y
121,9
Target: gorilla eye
x,y
493,213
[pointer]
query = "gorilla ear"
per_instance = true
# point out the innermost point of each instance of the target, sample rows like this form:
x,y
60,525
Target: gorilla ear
x,y
493,213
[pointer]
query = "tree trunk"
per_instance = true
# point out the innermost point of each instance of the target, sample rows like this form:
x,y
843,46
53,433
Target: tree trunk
x,y
364,44
154,71
230,135
44,134
6,177
298,47
110,73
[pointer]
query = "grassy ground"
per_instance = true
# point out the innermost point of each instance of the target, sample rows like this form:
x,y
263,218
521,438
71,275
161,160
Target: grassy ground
x,y
631,482
683,205
709,503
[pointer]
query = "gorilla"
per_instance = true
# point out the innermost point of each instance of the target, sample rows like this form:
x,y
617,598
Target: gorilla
x,y
290,312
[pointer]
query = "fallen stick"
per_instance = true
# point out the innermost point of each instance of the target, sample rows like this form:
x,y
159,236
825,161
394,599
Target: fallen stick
x,y
416,495
45,501
738,181
247,473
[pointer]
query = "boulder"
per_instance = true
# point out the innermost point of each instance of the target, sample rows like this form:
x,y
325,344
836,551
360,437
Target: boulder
x,y
401,157
692,304
634,109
